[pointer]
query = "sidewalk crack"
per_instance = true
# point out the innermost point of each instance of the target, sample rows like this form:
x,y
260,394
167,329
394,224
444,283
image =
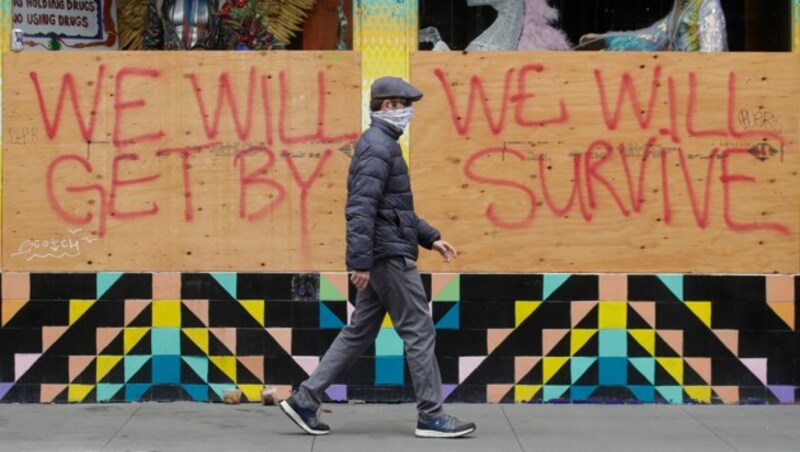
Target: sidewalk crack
x,y
121,427
710,429
519,443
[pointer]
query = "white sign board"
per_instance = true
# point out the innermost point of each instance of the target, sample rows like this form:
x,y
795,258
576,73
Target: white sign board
x,y
66,24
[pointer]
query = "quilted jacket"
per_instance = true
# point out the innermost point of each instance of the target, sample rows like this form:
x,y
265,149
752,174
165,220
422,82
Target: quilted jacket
x,y
380,214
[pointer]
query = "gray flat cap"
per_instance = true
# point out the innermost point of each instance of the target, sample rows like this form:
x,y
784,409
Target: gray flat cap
x,y
386,87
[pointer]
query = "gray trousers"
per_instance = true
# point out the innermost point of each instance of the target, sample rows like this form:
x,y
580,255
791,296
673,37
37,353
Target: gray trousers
x,y
395,287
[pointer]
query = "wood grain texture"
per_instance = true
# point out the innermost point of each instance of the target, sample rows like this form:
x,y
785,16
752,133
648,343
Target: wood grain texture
x,y
520,184
167,161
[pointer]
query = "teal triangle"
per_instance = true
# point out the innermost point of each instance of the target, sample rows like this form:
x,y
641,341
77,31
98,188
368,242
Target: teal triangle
x,y
552,281
133,363
449,321
646,394
327,319
582,393
451,292
107,391
105,281
219,388
135,391
199,364
227,281
551,392
198,393
329,292
578,365
674,283
646,367
672,394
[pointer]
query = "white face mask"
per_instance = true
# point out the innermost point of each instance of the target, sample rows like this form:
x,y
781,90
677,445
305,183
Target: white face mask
x,y
398,118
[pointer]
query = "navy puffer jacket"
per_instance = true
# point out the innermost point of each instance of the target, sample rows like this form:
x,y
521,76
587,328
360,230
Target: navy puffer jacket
x,y
380,214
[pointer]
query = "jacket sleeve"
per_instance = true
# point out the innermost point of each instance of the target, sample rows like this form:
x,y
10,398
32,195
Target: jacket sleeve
x,y
368,182
427,234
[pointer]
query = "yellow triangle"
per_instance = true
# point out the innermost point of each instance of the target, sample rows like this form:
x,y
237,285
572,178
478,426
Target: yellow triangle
x,y
699,393
387,322
199,336
674,367
551,365
77,308
702,309
524,309
784,310
131,337
252,392
578,338
76,393
645,338
525,393
227,364
11,308
105,364
255,308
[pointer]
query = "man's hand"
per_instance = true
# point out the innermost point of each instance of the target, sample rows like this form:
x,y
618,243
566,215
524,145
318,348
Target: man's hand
x,y
445,249
360,279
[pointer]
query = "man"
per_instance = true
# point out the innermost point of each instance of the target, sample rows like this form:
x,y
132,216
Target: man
x,y
383,238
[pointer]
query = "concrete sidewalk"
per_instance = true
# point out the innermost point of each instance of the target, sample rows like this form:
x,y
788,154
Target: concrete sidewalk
x,y
364,428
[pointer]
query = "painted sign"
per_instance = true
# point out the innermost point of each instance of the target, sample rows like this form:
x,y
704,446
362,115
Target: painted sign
x,y
66,24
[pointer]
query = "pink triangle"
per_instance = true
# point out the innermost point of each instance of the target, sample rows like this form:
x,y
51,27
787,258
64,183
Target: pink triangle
x,y
758,366
728,394
467,365
23,362
551,338
523,365
50,334
283,336
199,308
49,392
227,336
105,336
307,363
133,308
730,338
645,309
496,392
255,364
495,337
580,309
77,364
702,366
673,338
439,281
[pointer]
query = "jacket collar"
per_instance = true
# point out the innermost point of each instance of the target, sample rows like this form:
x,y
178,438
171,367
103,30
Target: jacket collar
x,y
387,128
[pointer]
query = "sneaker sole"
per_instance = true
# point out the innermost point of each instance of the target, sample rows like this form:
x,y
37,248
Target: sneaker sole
x,y
420,433
299,421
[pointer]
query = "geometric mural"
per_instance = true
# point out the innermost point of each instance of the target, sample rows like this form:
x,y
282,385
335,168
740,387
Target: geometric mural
x,y
501,338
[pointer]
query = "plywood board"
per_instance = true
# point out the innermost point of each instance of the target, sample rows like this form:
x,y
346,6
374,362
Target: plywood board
x,y
167,161
610,162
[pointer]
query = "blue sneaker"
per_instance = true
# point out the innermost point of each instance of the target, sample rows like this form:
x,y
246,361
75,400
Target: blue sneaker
x,y
443,426
306,419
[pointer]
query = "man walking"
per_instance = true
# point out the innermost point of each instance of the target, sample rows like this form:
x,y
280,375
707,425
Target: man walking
x,y
383,239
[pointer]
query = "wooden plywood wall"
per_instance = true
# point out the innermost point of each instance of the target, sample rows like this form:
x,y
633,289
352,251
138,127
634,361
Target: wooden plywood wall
x,y
610,162
177,161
